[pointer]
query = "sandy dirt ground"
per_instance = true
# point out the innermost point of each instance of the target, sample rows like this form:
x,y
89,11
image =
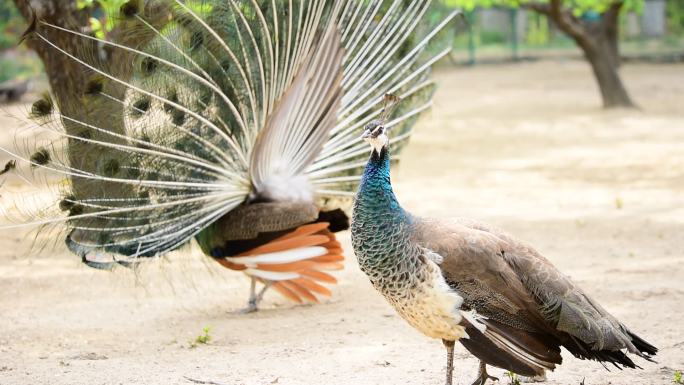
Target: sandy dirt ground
x,y
525,147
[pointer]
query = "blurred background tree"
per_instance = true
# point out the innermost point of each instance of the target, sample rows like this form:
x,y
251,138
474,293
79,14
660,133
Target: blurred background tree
x,y
592,24
675,17
14,62
66,77
645,30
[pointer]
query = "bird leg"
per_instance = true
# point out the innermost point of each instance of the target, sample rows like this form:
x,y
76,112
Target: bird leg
x,y
449,345
260,296
254,298
483,376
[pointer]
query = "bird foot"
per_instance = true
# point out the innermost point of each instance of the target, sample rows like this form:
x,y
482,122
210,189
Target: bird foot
x,y
483,376
254,298
250,308
482,379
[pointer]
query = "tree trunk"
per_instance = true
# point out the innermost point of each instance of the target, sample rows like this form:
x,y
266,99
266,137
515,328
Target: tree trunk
x,y
69,79
598,39
66,77
605,66
600,46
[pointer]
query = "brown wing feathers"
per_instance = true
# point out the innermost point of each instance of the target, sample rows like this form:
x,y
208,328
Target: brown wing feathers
x,y
521,352
586,329
531,308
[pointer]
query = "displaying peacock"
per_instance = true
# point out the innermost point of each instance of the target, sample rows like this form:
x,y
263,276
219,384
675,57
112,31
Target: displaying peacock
x,y
460,280
231,122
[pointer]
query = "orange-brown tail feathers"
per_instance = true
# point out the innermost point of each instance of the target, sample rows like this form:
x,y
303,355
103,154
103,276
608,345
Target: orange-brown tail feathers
x,y
294,263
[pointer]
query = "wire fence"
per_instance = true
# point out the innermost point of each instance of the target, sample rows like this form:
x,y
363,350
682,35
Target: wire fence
x,y
656,33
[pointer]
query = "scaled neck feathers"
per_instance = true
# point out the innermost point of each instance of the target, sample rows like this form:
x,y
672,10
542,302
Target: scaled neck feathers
x,y
375,196
381,229
377,213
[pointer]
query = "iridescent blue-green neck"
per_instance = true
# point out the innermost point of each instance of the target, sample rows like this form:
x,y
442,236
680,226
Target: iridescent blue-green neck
x,y
375,194
380,227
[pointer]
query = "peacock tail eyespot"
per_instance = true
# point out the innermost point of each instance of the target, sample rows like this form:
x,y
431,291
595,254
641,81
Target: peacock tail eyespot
x,y
225,65
178,117
85,134
206,95
184,20
196,41
40,157
94,87
129,9
144,142
67,203
133,173
148,66
140,106
111,167
42,107
76,209
172,97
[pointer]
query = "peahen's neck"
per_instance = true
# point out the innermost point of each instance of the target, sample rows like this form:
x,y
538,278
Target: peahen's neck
x,y
380,227
375,199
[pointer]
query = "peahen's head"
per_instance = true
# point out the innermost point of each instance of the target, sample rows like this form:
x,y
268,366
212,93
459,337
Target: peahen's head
x,y
376,135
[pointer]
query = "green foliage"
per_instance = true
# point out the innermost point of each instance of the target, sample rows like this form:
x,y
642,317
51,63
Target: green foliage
x,y
15,61
513,378
105,13
492,37
675,17
19,67
578,7
203,338
538,30
11,25
677,377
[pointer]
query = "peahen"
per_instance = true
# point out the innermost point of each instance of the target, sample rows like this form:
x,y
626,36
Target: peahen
x,y
230,122
461,280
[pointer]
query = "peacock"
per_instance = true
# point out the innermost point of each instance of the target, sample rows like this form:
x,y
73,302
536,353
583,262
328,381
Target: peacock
x,y
230,122
461,280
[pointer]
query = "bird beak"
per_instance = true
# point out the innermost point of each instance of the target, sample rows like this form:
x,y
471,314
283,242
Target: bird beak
x,y
366,134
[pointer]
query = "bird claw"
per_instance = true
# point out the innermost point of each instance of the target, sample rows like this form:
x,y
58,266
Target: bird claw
x,y
250,308
482,379
483,376
254,298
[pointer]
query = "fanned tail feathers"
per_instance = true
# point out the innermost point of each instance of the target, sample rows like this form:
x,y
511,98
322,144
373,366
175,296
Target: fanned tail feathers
x,y
195,106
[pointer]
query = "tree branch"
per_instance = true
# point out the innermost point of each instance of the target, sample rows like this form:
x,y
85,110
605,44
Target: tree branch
x,y
567,22
542,8
613,12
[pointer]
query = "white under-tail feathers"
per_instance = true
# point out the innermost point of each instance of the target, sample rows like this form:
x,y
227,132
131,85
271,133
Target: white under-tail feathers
x,y
283,150
262,98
